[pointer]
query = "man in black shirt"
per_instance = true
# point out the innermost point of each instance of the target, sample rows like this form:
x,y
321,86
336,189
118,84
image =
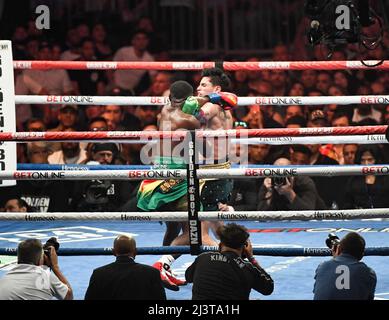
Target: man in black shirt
x,y
231,273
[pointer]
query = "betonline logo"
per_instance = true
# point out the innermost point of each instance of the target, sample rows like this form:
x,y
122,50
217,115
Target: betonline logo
x,y
208,149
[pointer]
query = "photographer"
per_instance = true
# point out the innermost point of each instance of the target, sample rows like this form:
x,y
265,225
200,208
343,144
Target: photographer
x,y
102,195
31,279
290,193
345,277
231,273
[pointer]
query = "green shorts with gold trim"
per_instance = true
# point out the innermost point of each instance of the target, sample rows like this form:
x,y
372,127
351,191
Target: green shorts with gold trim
x,y
154,194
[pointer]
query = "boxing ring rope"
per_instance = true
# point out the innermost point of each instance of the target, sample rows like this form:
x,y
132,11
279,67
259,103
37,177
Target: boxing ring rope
x,y
82,167
304,215
258,251
283,133
242,101
375,136
354,139
200,65
161,174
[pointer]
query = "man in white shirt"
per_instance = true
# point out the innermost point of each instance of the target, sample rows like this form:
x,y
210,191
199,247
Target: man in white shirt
x,y
129,79
31,279
70,153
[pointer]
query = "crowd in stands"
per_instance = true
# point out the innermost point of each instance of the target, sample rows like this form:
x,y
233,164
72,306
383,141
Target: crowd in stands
x,y
88,42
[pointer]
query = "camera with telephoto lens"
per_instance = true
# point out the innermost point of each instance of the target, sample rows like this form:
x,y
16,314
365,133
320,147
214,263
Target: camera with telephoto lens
x,y
278,181
332,240
52,242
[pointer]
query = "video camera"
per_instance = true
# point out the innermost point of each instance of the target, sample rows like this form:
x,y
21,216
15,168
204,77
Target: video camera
x,y
332,240
339,22
52,242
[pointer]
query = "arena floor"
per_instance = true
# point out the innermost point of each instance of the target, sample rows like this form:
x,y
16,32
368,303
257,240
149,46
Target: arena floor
x,y
293,276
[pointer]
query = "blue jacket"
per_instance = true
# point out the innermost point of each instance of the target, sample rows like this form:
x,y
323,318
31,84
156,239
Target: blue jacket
x,y
344,278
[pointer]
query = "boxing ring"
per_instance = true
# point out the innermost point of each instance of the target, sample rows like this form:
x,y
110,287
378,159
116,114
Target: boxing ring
x,y
290,245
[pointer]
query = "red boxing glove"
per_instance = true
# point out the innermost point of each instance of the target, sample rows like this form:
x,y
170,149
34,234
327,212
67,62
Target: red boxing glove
x,y
226,100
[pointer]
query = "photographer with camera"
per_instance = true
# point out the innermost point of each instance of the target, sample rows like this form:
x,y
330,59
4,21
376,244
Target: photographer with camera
x,y
31,278
345,277
230,273
102,195
288,193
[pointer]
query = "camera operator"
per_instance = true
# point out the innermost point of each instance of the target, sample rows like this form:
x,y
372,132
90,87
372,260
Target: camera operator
x,y
291,193
102,195
31,278
231,273
345,277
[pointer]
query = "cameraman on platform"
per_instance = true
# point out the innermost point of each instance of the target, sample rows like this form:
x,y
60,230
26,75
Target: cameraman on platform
x,y
289,193
230,273
345,277
31,278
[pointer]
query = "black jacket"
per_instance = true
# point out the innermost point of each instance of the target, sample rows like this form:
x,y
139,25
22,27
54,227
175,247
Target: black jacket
x,y
226,276
125,279
358,194
307,197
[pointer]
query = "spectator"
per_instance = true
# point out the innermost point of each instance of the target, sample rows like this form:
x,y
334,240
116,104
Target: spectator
x,y
125,279
230,273
88,82
296,122
160,85
300,155
72,44
281,53
131,80
94,124
335,151
16,205
297,89
258,154
114,116
345,277
19,39
368,191
35,125
279,82
70,153
292,193
349,152
309,79
67,120
31,278
293,111
93,111
147,115
324,82
99,36
98,124
342,80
